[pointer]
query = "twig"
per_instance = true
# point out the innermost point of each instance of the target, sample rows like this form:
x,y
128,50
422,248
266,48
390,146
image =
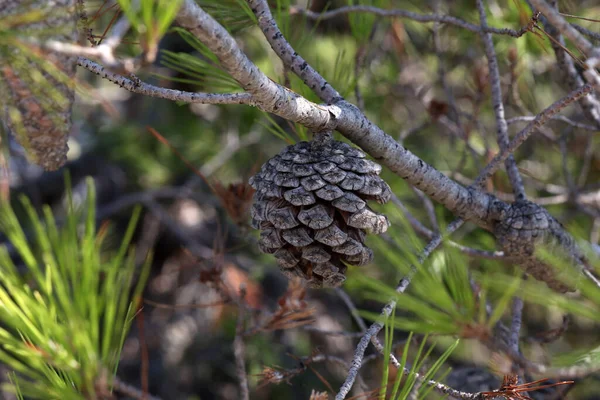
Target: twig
x,y
563,26
118,31
562,118
445,19
571,77
359,352
291,58
515,328
429,234
574,371
131,391
239,350
373,330
586,32
502,127
137,86
352,308
524,134
310,328
429,209
440,387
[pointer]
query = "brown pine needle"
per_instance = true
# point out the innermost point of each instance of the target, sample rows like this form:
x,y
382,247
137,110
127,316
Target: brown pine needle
x,y
185,306
110,24
101,12
195,170
511,390
569,52
578,17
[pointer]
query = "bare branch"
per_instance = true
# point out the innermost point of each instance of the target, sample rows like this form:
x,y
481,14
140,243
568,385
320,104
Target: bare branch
x,y
515,328
586,32
239,350
137,86
494,77
371,333
566,66
444,19
352,308
524,134
131,391
562,118
373,330
291,58
267,94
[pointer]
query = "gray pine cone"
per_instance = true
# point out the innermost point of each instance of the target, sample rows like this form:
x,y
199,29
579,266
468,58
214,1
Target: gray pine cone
x,y
310,206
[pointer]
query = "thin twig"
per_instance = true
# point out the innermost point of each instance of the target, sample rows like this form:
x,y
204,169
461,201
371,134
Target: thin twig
x,y
289,56
563,26
502,127
586,32
137,86
373,330
445,19
515,328
118,31
131,391
429,234
352,308
531,127
562,118
239,350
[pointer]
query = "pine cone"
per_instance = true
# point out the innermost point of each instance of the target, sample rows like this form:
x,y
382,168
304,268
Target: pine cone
x,y
37,88
310,206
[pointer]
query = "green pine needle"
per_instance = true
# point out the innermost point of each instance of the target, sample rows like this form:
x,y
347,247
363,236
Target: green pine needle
x,y
202,68
64,320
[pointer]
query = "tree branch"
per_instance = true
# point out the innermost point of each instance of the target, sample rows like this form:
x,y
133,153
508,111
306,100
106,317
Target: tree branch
x,y
531,127
137,86
444,19
502,126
